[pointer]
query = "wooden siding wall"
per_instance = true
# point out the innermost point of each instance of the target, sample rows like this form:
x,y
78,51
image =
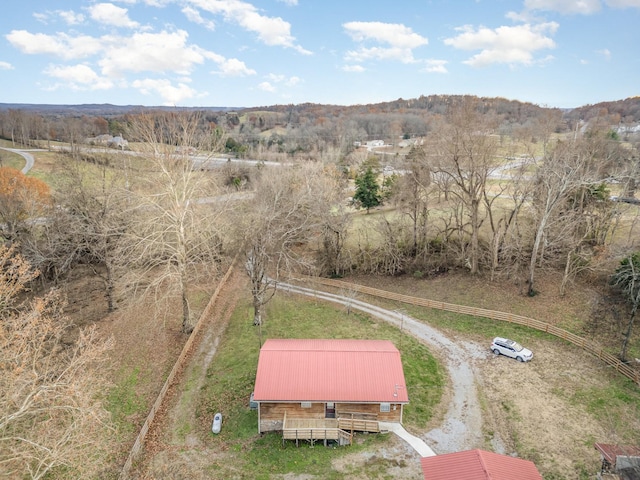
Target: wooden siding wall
x,y
271,414
372,409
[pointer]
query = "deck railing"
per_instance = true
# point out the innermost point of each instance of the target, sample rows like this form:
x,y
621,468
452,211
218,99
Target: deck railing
x,y
358,421
313,430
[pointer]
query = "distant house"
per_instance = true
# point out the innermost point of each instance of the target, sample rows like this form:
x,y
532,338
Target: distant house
x,y
118,142
313,388
621,461
108,141
478,465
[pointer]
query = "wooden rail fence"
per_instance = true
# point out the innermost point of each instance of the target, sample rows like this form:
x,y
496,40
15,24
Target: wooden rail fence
x,y
583,343
139,443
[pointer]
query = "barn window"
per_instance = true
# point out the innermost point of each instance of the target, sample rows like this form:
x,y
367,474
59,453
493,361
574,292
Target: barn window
x,y
385,407
305,404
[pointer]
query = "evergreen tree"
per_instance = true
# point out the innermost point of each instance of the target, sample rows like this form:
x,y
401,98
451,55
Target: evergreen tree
x,y
627,279
367,190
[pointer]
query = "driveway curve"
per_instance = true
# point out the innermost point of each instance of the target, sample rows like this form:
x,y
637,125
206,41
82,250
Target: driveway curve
x,y
462,426
29,160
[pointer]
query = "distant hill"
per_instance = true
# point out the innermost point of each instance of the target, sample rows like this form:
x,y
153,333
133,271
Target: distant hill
x,y
627,110
95,109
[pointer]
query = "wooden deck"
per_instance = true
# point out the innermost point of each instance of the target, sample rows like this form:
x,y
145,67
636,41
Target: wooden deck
x,y
324,429
313,430
358,422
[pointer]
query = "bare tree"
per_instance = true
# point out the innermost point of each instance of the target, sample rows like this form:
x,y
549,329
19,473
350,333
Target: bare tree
x,y
50,414
177,235
511,193
559,175
90,221
333,219
413,195
466,156
281,216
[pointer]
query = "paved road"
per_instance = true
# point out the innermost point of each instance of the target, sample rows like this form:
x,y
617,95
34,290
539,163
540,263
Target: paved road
x,y
29,160
200,162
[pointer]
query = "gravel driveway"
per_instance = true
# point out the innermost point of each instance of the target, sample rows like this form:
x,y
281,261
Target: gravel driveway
x,y
462,425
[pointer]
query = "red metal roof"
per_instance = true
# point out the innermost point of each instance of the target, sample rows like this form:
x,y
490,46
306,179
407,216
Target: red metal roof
x,y
330,371
478,465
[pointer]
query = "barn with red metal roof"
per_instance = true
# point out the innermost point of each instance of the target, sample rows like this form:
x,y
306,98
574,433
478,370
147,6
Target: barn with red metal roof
x,y
478,465
327,383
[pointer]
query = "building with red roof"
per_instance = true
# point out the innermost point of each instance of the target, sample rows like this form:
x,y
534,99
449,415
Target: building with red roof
x,y
327,381
622,460
478,465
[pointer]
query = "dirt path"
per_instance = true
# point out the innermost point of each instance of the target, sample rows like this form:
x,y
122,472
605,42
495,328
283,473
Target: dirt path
x,y
173,428
182,415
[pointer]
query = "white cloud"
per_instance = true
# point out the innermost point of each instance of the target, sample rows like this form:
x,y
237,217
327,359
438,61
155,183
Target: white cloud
x,y
151,52
172,95
194,16
292,81
60,45
272,31
379,53
41,17
436,66
510,45
266,87
110,14
68,16
5,66
623,3
151,3
605,52
282,79
583,7
398,41
71,17
79,77
523,17
276,78
156,3
233,67
394,34
291,3
353,68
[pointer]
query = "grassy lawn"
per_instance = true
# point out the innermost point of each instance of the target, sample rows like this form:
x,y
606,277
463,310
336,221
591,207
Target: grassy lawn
x,y
123,402
10,159
232,375
615,401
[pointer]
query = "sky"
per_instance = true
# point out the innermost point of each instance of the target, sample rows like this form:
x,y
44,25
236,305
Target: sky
x,y
251,53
